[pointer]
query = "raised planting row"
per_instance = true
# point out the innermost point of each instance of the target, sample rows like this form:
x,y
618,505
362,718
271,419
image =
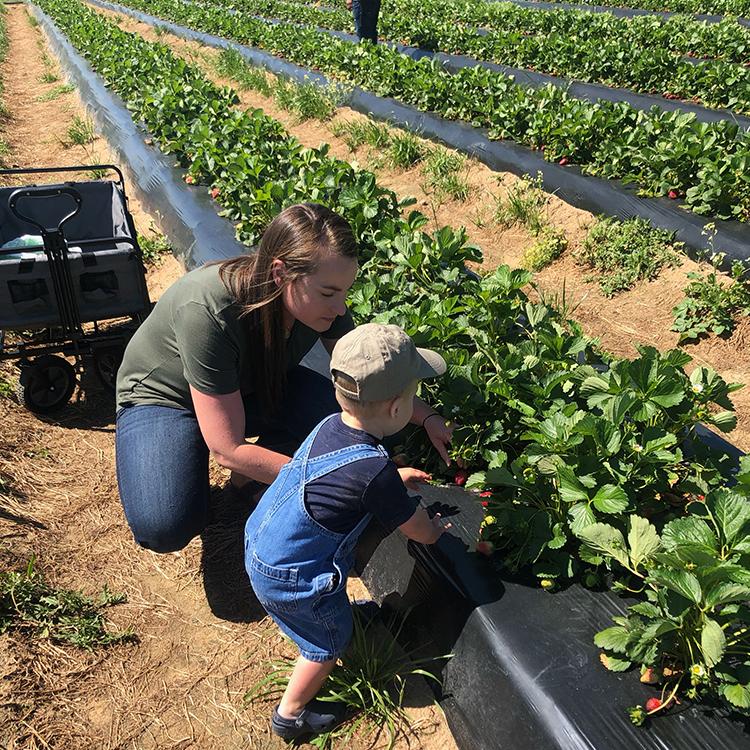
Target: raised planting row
x,y
548,414
716,7
726,40
614,59
667,154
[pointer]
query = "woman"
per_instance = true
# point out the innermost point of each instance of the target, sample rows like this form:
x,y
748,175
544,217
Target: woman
x,y
217,361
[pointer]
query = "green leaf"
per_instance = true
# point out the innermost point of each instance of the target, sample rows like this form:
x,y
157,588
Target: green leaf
x,y
681,582
570,488
726,421
642,540
646,609
614,664
731,511
737,695
613,639
713,642
725,593
610,499
606,539
691,531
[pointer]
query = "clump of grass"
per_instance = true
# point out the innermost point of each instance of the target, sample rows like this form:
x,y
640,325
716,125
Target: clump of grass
x,y
356,133
48,76
306,100
443,170
370,680
231,64
6,388
551,243
154,248
29,604
626,252
405,150
56,92
523,205
81,131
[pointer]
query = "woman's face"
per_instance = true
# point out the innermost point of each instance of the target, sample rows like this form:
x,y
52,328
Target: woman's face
x,y
317,300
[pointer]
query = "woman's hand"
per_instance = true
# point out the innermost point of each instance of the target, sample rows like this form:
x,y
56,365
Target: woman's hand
x,y
412,477
440,434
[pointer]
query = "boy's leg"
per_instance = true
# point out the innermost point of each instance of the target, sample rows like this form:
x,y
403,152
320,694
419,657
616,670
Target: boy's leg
x,y
304,684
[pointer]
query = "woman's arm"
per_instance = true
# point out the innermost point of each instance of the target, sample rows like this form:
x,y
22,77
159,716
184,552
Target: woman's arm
x,y
221,419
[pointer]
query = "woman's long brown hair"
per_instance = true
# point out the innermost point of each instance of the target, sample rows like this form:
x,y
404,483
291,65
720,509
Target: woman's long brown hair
x,y
299,236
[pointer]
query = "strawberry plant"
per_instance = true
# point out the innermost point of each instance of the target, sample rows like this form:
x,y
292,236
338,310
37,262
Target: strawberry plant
x,y
661,151
690,625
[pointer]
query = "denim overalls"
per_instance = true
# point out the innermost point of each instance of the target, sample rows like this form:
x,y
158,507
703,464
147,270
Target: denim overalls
x,y
298,568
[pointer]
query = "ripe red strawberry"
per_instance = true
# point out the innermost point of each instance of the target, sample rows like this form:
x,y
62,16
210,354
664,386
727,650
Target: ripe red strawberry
x,y
485,548
190,179
653,704
484,503
563,161
486,493
673,194
215,192
460,477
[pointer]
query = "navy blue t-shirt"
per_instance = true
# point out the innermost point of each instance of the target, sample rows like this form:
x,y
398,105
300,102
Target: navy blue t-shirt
x,y
339,500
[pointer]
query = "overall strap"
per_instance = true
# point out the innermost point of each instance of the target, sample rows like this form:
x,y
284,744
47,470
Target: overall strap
x,y
302,453
328,462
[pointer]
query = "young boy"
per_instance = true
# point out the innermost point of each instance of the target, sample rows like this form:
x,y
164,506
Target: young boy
x,y
300,540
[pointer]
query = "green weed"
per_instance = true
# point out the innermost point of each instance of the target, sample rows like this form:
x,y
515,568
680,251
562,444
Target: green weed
x,y
154,248
711,305
559,301
443,170
359,132
405,149
81,131
626,252
231,64
523,205
6,387
29,604
550,245
370,680
306,100
48,77
56,92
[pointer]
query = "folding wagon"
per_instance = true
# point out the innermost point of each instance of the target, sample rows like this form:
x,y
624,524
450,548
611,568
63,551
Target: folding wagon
x,y
72,281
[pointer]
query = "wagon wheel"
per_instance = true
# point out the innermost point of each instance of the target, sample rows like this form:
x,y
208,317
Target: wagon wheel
x,y
107,362
48,383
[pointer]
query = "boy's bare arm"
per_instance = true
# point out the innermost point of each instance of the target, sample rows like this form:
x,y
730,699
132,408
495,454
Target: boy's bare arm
x,y
421,528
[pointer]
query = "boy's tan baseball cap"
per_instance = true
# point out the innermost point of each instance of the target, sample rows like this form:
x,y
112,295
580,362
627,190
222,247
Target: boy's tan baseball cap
x,y
381,360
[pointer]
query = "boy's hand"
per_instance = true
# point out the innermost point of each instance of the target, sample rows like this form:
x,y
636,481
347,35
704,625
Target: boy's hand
x,y
412,477
348,4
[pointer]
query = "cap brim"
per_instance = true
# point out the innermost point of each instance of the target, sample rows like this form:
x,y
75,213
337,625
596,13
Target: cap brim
x,y
432,364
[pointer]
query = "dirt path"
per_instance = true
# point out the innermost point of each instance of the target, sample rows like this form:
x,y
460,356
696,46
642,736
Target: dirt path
x,y
641,316
203,640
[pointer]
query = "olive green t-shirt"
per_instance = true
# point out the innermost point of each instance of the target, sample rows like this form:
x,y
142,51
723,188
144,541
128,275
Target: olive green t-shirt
x,y
194,336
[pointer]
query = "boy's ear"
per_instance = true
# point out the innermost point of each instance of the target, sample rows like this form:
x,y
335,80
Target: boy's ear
x,y
278,270
395,407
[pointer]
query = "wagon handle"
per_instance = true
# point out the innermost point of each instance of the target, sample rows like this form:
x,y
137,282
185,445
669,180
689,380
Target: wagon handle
x,y
44,192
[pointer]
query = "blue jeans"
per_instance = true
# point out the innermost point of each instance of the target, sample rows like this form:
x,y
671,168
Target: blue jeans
x,y
162,459
365,14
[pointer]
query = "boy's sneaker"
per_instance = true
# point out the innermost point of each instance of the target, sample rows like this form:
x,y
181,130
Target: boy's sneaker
x,y
316,717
